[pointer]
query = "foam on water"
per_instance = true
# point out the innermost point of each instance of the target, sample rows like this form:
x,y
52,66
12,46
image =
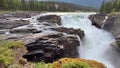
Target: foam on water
x,y
96,41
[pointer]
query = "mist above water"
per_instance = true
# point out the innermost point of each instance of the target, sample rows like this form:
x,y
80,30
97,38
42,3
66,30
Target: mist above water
x,y
96,42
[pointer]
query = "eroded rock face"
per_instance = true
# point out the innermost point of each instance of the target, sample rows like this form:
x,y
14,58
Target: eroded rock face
x,y
118,40
97,19
112,25
50,18
9,24
78,32
44,40
51,47
116,43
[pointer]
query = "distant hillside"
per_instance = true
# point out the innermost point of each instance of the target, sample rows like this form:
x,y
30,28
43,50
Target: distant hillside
x,y
70,7
35,5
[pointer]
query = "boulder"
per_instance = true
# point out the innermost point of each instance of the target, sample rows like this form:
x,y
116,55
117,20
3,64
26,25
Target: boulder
x,y
97,19
50,18
112,24
50,47
78,32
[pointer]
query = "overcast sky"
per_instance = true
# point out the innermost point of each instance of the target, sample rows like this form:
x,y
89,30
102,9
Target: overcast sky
x,y
91,3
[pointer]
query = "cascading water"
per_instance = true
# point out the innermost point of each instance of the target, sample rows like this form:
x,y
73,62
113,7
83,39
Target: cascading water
x,y
96,41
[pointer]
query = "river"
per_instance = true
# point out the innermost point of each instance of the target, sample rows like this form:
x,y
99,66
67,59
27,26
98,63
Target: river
x,y
96,42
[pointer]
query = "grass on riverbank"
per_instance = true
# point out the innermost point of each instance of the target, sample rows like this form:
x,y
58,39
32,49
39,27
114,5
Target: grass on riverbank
x,y
9,51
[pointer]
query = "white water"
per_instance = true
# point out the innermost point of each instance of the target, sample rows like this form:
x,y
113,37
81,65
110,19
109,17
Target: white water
x,y
96,41
95,44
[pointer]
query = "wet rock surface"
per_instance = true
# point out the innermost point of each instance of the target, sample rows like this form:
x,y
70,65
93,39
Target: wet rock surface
x,y
51,47
97,19
116,43
78,32
9,24
44,38
50,18
112,25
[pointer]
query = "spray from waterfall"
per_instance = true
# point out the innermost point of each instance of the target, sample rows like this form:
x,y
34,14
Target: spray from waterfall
x,y
96,41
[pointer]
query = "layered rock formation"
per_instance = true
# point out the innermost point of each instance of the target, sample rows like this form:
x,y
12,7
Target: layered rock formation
x,y
9,24
97,19
53,42
111,24
46,40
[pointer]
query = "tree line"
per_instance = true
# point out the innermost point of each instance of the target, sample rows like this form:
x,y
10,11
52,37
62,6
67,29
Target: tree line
x,y
36,5
110,6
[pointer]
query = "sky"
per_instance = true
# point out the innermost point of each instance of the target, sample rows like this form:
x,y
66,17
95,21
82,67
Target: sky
x,y
90,3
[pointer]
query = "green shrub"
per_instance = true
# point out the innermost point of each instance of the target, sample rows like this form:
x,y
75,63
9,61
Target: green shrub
x,y
5,56
42,65
75,65
12,44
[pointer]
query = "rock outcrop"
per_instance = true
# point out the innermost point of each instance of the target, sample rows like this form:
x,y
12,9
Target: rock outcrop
x,y
9,24
50,47
97,19
50,18
111,24
46,40
78,32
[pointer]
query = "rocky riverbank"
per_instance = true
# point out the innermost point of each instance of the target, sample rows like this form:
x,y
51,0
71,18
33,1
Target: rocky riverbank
x,y
111,24
39,38
44,38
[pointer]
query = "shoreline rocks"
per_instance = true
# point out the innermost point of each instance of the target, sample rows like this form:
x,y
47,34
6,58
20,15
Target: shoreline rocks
x,y
50,18
9,24
111,24
51,47
97,19
53,43
45,40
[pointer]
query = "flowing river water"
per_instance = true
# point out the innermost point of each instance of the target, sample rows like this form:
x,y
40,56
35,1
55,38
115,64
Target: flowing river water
x,y
96,43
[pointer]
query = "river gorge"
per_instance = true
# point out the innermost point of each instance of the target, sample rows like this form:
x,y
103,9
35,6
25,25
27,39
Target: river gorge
x,y
60,39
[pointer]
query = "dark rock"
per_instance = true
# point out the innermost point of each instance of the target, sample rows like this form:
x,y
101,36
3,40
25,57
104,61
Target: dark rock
x,y
51,47
24,30
8,24
112,25
116,43
4,16
118,40
50,18
97,19
78,32
21,15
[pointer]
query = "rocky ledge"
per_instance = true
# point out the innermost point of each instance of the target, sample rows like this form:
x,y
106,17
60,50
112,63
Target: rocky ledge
x,y
46,40
111,24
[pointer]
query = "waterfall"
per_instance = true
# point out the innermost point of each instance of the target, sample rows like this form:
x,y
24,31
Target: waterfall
x,y
96,41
